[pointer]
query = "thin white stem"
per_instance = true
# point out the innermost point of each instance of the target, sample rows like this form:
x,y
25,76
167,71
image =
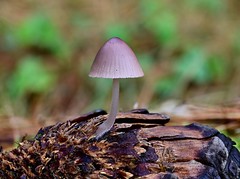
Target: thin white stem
x,y
108,124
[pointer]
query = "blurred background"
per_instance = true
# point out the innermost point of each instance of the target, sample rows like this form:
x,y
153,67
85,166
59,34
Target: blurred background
x,y
189,51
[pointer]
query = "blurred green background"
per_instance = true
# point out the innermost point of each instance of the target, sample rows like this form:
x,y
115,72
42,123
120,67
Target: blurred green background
x,y
189,51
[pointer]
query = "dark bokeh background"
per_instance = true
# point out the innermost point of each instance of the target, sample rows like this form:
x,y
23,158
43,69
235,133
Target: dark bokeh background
x,y
189,51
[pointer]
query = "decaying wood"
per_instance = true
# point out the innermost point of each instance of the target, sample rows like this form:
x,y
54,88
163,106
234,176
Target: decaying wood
x,y
138,146
133,116
192,112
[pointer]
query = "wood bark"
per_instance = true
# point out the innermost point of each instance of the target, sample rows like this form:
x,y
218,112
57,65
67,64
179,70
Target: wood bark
x,y
138,146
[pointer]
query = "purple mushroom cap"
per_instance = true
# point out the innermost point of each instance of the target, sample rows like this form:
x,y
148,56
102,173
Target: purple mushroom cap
x,y
115,59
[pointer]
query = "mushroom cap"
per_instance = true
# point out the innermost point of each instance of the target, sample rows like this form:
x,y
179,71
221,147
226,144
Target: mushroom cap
x,y
115,59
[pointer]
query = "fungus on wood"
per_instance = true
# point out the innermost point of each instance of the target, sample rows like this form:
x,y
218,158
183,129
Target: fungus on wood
x,y
114,60
138,146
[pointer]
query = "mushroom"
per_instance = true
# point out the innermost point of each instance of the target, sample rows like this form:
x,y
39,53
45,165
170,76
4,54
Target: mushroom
x,y
114,60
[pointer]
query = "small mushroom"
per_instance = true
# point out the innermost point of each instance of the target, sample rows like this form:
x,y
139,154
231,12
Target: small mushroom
x,y
114,60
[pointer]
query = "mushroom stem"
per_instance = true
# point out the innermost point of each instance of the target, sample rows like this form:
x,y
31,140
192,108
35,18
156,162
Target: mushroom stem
x,y
108,124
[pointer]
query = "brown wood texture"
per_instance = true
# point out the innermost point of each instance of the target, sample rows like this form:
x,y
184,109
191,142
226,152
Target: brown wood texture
x,y
138,146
